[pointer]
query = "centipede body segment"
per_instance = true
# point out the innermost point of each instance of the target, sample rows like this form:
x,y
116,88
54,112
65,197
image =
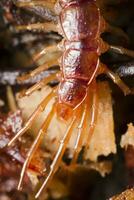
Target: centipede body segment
x,y
80,24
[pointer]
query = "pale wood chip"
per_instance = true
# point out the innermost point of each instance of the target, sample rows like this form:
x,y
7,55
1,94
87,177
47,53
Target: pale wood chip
x,y
128,138
126,195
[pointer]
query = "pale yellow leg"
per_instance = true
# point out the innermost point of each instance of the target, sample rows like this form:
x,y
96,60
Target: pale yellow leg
x,y
38,70
121,50
39,85
81,132
36,143
46,27
94,114
46,4
58,156
49,49
116,79
29,122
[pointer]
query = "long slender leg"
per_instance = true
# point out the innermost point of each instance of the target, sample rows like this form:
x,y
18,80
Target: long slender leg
x,y
58,156
39,85
81,132
49,49
94,114
46,27
116,79
121,50
36,143
38,110
38,70
45,3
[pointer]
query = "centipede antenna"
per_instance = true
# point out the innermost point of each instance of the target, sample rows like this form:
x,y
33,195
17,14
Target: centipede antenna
x,y
116,79
39,85
117,31
121,50
49,49
46,27
36,143
29,122
94,114
81,133
38,70
45,4
58,156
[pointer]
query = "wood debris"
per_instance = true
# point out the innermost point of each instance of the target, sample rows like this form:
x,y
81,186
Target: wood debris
x,y
128,138
126,195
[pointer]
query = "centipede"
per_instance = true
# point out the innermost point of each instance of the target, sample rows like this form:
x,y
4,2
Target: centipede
x,y
81,24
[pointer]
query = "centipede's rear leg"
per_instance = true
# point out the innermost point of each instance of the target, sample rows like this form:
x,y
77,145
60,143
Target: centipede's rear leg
x,y
58,157
40,108
81,133
94,114
36,143
92,91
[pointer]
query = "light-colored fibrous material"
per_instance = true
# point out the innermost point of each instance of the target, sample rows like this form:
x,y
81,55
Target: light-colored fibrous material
x,y
128,138
103,139
126,195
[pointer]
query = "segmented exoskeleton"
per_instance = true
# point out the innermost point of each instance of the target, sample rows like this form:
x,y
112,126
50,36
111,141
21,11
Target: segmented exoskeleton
x,y
81,25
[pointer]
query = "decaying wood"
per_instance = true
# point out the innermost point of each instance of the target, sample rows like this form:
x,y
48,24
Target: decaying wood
x,y
126,195
127,142
128,138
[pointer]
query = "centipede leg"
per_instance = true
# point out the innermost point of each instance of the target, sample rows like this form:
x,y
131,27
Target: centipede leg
x,y
58,156
81,133
46,27
31,3
38,86
49,49
121,50
38,70
36,143
116,79
94,114
29,122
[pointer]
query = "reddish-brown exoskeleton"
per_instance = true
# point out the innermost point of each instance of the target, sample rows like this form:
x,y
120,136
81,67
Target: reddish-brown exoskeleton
x,y
81,25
